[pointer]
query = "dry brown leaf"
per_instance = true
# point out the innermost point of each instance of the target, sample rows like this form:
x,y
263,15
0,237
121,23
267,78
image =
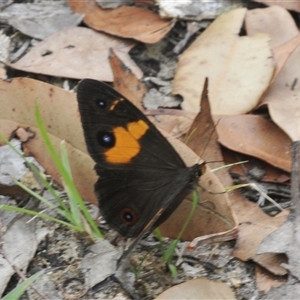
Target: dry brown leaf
x,y
272,262
282,53
290,5
213,215
13,191
213,218
270,173
284,40
239,67
125,21
262,20
282,98
266,280
284,241
200,288
246,212
125,82
3,73
202,137
77,52
59,113
258,229
255,225
255,136
282,95
253,220
175,122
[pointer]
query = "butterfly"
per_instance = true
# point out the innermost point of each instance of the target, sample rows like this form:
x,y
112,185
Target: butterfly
x,y
142,179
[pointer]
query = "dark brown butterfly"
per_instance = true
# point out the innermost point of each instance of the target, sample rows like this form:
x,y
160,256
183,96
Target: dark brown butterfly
x,y
142,178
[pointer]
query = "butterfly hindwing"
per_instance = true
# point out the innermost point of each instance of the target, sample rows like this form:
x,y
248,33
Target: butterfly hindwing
x,y
129,198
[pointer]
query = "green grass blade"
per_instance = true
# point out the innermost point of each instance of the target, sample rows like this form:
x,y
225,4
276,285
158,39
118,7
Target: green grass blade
x,y
34,194
54,155
190,135
37,172
193,209
70,188
78,216
62,212
76,200
158,235
18,291
171,249
173,270
65,171
38,214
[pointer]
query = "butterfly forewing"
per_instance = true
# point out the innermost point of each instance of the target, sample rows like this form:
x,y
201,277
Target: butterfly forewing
x,y
103,109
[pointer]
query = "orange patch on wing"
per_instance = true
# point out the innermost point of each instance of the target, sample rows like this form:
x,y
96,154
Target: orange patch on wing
x,y
137,129
114,105
127,145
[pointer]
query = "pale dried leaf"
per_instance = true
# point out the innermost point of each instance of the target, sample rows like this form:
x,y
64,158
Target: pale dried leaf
x,y
175,122
201,9
19,244
125,21
12,165
239,68
113,4
77,52
200,288
259,228
266,280
290,5
252,221
4,50
40,20
125,82
262,20
99,263
255,136
282,95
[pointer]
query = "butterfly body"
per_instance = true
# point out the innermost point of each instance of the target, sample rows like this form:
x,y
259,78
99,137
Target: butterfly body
x,y
140,172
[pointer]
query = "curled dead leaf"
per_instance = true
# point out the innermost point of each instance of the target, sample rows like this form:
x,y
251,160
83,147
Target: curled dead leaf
x,y
125,21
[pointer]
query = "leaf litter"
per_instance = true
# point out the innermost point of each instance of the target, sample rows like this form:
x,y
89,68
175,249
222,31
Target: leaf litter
x,y
20,238
40,20
254,224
